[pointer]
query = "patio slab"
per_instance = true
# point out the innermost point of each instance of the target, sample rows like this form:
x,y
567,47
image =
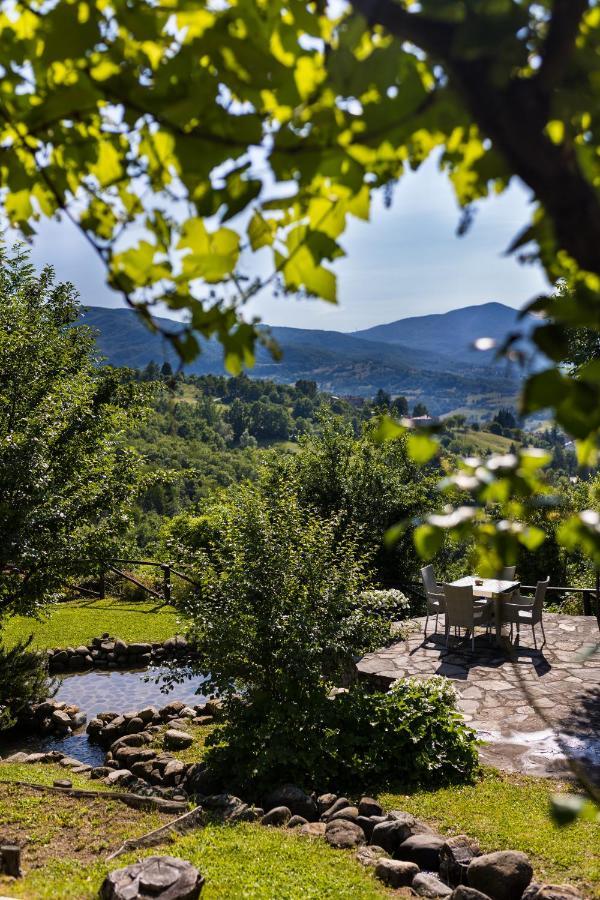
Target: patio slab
x,y
532,707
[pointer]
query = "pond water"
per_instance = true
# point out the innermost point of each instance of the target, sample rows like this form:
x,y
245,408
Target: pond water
x,y
94,692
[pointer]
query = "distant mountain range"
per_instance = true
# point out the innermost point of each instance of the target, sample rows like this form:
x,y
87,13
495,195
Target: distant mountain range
x,y
427,358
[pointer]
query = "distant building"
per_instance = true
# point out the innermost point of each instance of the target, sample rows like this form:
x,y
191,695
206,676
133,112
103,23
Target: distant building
x,y
423,421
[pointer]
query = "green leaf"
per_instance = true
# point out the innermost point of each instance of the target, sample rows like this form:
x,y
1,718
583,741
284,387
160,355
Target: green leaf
x,y
428,540
421,447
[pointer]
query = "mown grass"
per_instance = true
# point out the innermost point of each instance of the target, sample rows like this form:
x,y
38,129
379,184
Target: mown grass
x,y
78,621
191,754
511,812
66,842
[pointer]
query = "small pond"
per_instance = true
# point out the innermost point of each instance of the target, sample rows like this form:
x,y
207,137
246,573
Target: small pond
x,y
94,692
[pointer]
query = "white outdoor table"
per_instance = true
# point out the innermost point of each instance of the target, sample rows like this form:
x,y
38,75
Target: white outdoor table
x,y
491,588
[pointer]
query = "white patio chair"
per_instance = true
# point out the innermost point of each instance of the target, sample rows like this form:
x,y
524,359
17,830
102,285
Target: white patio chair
x,y
527,611
434,596
463,612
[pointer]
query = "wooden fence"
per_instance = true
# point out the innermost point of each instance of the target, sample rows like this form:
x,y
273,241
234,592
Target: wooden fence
x,y
113,565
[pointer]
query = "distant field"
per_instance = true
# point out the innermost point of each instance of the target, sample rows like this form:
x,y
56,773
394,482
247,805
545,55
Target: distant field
x,y
77,622
483,440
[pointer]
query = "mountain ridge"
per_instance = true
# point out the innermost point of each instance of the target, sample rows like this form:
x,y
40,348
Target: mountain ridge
x,y
340,362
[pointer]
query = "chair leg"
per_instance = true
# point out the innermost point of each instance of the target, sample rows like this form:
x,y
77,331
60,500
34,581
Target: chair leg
x,y
426,623
437,615
543,632
534,638
473,641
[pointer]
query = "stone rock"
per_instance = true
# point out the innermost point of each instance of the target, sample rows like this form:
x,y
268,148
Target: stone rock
x,y
131,740
118,775
127,756
188,713
162,877
340,803
200,780
297,801
370,856
343,834
369,807
313,829
83,650
296,822
422,849
137,649
247,814
396,873
171,709
551,892
147,714
99,772
503,875
348,812
324,802
224,806
173,769
78,719
135,725
278,816
463,892
455,856
120,647
368,823
19,757
60,719
426,884
177,740
391,833
62,783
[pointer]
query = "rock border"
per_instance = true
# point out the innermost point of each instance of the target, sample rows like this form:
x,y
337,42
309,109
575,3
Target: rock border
x,y
106,652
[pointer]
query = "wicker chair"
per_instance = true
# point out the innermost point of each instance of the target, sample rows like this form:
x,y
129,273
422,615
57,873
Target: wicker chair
x,y
527,611
434,594
507,573
462,612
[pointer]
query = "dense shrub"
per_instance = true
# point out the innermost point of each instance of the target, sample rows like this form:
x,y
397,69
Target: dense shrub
x,y
359,739
23,680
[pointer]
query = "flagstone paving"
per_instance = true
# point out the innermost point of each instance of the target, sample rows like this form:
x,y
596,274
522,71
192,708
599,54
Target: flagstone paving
x,y
530,706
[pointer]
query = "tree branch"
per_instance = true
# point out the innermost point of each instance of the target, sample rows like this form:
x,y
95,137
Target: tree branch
x,y
560,40
431,35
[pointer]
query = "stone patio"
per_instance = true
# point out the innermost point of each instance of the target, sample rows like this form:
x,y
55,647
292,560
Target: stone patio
x,y
498,693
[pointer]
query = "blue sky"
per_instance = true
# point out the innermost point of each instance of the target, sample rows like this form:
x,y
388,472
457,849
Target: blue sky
x,y
407,261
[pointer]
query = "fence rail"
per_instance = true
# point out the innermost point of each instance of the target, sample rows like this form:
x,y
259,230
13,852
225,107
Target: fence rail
x,y
102,566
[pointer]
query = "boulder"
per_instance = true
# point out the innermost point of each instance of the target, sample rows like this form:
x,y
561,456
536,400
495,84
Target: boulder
x,y
200,780
297,801
78,719
391,833
147,714
173,770
422,849
138,649
177,740
348,812
224,806
456,854
396,873
324,802
296,822
370,856
313,829
162,877
343,834
463,892
60,719
425,884
552,892
126,756
503,875
171,709
135,725
368,823
99,772
340,803
278,816
118,775
369,807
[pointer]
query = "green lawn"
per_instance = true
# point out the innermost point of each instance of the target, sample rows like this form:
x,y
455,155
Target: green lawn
x,y
511,812
76,622
67,841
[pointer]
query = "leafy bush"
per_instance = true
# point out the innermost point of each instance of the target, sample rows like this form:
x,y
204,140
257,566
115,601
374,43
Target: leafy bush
x,y
391,603
23,680
359,739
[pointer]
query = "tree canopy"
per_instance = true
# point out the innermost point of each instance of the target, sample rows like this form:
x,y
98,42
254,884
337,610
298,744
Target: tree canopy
x,y
196,144
66,477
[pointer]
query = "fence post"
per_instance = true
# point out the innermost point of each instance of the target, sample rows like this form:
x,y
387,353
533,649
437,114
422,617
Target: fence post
x,y
166,582
587,603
